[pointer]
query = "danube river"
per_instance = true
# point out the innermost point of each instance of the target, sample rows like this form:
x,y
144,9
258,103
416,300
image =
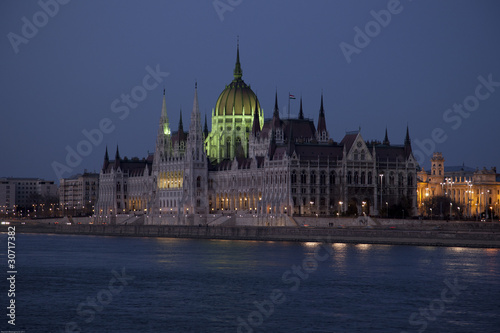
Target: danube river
x,y
69,283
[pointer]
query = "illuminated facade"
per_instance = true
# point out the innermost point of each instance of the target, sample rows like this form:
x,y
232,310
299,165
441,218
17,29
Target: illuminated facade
x,y
475,192
265,169
232,119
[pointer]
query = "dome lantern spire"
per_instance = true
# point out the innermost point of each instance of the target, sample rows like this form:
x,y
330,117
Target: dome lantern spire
x,y
237,68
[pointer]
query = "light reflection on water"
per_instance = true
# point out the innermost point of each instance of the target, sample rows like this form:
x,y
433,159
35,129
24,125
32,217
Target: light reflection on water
x,y
184,285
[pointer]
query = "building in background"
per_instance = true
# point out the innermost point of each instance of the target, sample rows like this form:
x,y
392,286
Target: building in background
x,y
259,168
27,196
471,193
78,194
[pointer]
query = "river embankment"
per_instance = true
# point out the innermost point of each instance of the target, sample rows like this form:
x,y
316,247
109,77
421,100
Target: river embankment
x,y
460,234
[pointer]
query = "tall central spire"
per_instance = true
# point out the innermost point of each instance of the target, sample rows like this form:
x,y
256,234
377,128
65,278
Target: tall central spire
x,y
237,68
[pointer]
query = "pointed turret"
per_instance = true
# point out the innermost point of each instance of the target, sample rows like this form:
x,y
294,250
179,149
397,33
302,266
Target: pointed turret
x,y
386,139
194,198
407,139
407,142
163,138
321,132
238,73
181,127
301,113
205,128
195,145
276,113
256,123
117,158
106,160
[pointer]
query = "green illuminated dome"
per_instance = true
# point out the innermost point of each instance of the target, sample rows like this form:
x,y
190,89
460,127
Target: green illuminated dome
x,y
237,98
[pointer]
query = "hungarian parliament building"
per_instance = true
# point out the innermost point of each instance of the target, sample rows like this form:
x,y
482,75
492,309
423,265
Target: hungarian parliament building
x,y
251,166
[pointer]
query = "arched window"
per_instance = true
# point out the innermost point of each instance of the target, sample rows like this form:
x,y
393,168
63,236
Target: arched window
x,y
356,155
294,177
322,178
349,177
363,177
332,178
356,177
370,178
198,182
313,177
410,179
303,177
391,178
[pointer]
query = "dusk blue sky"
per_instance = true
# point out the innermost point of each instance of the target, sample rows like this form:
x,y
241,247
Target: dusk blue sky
x,y
64,79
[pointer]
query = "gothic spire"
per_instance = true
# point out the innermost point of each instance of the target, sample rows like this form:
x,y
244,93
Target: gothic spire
x,y
164,124
407,143
195,146
321,119
205,129
276,113
276,109
237,68
256,124
117,158
386,139
301,113
181,128
106,160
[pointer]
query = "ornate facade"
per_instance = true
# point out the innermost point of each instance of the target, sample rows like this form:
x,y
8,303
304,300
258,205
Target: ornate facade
x,y
476,193
265,168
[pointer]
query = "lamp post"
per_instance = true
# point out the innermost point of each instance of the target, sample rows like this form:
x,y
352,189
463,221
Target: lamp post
x,y
451,205
381,188
341,203
469,194
431,212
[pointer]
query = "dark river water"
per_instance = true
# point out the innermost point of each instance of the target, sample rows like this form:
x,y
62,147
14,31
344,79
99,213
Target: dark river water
x,y
118,284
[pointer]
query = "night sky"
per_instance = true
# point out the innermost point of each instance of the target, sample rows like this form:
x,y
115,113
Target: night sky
x,y
379,64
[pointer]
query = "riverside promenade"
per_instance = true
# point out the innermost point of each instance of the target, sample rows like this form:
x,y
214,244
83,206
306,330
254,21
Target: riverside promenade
x,y
460,234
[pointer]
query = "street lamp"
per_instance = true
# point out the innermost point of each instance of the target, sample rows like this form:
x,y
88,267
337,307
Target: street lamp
x,y
431,212
451,205
381,188
341,203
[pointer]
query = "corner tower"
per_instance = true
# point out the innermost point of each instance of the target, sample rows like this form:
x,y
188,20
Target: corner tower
x,y
232,118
